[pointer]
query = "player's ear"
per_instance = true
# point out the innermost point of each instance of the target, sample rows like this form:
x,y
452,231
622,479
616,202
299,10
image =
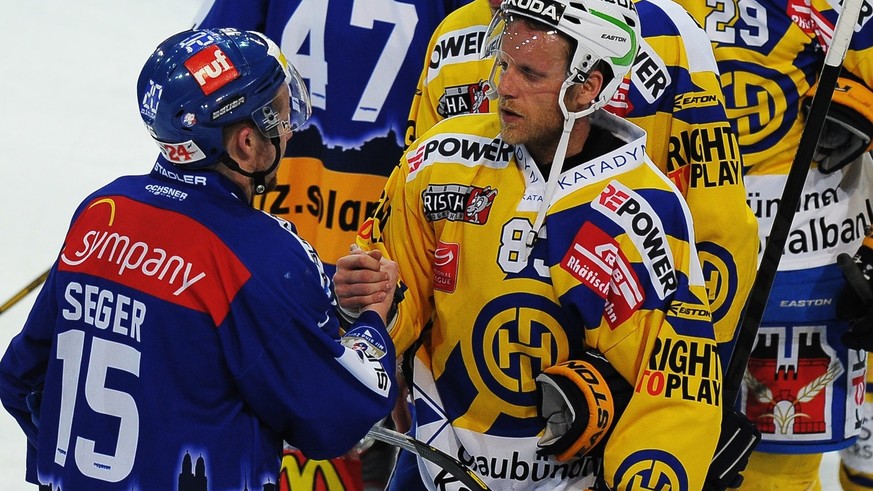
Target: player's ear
x,y
581,95
241,141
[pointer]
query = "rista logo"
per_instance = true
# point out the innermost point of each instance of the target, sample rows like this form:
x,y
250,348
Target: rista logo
x,y
547,10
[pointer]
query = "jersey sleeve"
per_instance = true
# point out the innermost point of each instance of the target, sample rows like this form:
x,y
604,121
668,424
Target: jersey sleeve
x,y
22,369
397,229
676,97
423,110
651,320
295,372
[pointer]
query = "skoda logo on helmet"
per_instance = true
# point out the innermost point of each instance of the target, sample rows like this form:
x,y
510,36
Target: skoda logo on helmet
x,y
546,10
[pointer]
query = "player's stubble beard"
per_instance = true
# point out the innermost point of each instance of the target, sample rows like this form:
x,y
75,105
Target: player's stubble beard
x,y
542,129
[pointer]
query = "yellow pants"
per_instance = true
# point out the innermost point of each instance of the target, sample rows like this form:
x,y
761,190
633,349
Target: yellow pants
x,y
780,472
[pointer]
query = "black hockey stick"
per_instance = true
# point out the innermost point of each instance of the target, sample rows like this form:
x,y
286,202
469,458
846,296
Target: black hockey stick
x,y
815,120
23,293
445,461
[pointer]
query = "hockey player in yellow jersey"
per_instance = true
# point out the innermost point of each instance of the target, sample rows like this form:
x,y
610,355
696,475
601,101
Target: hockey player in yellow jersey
x,y
527,239
673,93
805,378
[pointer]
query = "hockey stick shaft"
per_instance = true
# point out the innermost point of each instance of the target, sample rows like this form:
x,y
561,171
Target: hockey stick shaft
x,y
445,461
24,291
815,120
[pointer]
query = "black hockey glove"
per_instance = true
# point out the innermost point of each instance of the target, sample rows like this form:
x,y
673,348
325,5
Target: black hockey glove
x,y
855,302
848,127
580,400
34,401
738,438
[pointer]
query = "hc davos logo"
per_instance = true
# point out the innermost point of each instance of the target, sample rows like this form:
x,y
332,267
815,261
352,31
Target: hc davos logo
x,y
514,338
650,469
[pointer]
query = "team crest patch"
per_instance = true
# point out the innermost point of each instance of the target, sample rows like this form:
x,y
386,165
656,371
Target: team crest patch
x,y
789,394
367,340
464,99
651,469
445,266
458,203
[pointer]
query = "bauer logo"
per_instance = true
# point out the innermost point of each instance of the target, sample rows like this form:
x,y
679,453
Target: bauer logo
x,y
212,69
548,11
229,107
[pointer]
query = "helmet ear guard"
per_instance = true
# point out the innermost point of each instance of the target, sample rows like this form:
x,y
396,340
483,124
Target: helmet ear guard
x,y
848,127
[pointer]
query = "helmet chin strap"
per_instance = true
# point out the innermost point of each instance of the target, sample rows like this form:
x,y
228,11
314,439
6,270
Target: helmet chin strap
x,y
557,166
259,186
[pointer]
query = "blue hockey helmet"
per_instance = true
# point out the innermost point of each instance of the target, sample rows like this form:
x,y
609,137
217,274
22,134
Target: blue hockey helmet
x,y
198,81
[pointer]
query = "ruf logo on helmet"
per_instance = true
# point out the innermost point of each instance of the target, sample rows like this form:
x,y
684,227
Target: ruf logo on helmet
x,y
547,10
211,68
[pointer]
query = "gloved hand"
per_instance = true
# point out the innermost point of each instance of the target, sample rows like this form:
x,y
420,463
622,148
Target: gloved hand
x,y
34,401
848,126
737,440
580,400
855,302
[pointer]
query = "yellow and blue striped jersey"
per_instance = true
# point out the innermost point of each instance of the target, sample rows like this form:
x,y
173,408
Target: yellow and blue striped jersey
x,y
615,268
673,94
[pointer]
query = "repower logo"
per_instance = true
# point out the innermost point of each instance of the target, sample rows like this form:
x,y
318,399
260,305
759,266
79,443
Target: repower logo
x,y
636,216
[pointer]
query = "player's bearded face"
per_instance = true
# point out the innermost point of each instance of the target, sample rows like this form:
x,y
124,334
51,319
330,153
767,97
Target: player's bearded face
x,y
531,67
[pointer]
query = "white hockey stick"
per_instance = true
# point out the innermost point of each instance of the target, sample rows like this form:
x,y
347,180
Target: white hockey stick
x,y
815,120
445,461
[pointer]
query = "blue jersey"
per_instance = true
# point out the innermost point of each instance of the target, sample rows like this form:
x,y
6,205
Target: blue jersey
x,y
181,336
360,60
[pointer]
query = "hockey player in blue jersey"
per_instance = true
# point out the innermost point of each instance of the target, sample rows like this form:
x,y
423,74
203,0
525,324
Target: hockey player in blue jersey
x,y
179,324
360,60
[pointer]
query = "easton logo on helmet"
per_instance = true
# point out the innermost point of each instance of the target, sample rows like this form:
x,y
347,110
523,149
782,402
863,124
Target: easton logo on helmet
x,y
211,68
547,10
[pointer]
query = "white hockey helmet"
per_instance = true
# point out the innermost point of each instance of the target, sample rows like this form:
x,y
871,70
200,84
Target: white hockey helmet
x,y
606,31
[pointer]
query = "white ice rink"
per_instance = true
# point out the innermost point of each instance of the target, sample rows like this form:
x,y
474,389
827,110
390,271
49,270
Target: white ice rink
x,y
69,124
